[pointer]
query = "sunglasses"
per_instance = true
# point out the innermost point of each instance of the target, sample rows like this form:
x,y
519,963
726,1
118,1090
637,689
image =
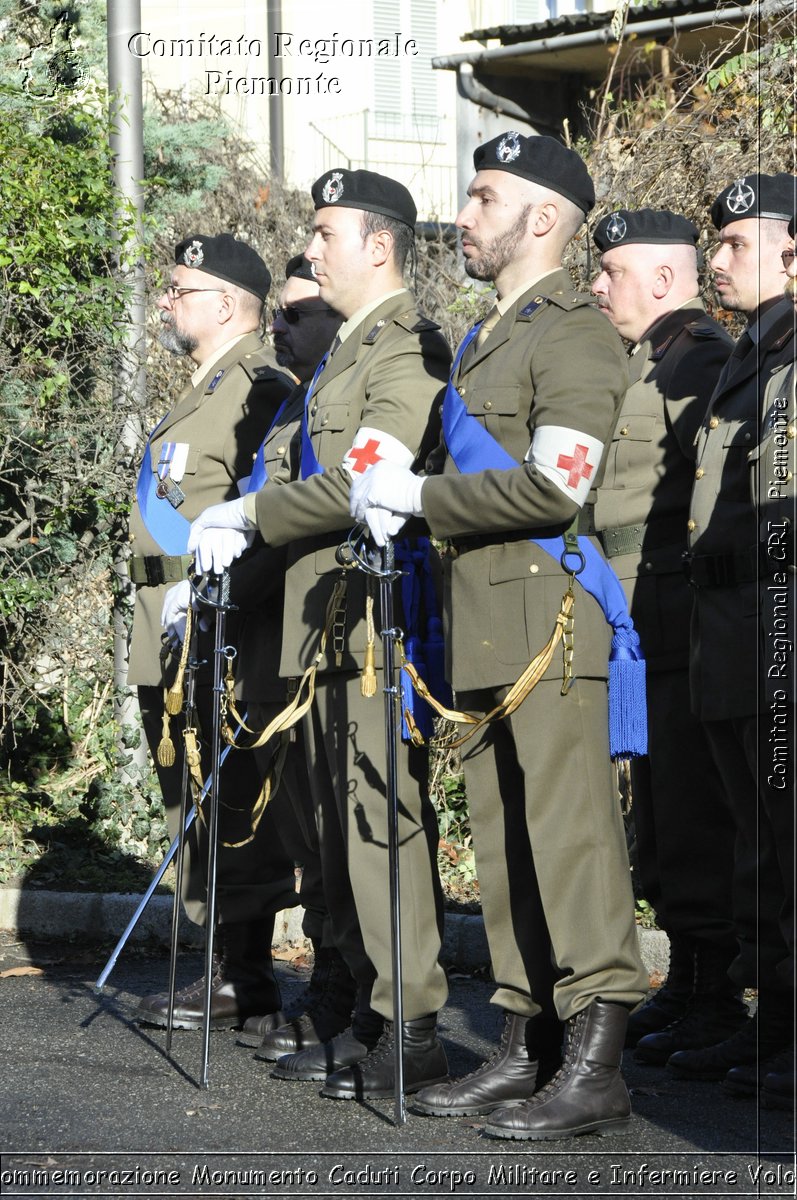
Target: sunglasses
x,y
294,312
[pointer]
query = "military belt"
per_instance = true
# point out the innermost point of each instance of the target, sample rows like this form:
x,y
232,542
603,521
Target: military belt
x,y
623,539
462,545
150,570
644,537
724,570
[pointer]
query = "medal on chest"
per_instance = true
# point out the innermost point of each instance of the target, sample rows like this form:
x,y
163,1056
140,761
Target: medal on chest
x,y
170,469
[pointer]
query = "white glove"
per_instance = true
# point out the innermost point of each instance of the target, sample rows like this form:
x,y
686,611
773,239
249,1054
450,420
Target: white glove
x,y
384,524
386,485
217,548
175,606
219,535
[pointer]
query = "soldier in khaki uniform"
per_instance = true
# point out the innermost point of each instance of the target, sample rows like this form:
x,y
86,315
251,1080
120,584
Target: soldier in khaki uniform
x,y
303,327
373,398
729,559
546,382
648,287
202,451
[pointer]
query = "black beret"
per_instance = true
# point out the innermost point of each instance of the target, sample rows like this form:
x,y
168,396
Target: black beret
x,y
541,159
228,259
771,196
644,226
300,267
365,190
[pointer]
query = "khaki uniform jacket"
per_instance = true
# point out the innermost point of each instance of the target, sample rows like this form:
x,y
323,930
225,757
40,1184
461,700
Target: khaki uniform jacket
x,y
388,374
774,467
223,421
724,525
562,365
649,471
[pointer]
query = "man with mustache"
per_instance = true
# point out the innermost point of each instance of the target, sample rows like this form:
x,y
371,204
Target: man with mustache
x,y
741,660
648,287
202,451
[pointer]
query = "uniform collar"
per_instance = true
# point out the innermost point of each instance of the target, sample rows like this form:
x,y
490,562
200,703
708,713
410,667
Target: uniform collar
x,y
207,366
348,327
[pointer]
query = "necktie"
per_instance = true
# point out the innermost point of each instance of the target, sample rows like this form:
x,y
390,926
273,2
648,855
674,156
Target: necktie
x,y
488,324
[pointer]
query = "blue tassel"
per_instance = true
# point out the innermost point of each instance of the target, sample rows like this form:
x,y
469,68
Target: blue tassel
x,y
628,714
434,653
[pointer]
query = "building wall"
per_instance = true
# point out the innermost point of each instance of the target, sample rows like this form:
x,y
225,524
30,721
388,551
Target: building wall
x,y
343,102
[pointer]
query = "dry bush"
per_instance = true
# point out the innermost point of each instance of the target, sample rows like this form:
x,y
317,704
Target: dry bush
x,y
676,140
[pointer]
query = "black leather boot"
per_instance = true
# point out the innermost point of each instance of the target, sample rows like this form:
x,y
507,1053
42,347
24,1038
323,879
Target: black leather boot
x,y
748,1080
326,961
767,1033
373,1078
778,1089
530,1047
243,983
327,1014
587,1095
670,1002
348,1048
715,1012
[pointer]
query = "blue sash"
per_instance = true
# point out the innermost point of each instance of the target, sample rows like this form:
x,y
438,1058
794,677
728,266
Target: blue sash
x,y
259,476
472,448
309,463
163,523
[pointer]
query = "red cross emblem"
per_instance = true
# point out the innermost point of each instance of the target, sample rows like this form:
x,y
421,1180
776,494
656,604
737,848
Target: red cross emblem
x,y
365,456
577,465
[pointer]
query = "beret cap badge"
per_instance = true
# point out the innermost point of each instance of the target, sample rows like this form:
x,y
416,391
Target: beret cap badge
x,y
741,197
508,148
333,188
194,255
617,228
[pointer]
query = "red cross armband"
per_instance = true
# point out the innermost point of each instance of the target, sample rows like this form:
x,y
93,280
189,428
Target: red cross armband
x,y
568,457
373,446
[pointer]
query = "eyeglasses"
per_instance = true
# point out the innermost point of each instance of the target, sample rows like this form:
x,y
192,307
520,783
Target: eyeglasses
x,y
294,312
787,257
174,293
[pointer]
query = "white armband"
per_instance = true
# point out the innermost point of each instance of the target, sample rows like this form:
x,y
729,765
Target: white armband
x,y
568,457
373,446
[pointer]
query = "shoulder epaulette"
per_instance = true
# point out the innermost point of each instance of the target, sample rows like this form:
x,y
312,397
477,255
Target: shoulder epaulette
x,y
571,300
258,365
414,322
703,329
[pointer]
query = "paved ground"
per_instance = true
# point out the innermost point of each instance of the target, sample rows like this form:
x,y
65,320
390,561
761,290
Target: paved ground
x,y
92,1106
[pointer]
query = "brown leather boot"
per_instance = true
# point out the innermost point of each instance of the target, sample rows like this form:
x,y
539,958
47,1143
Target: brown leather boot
x,y
243,983
509,1076
344,1050
587,1095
